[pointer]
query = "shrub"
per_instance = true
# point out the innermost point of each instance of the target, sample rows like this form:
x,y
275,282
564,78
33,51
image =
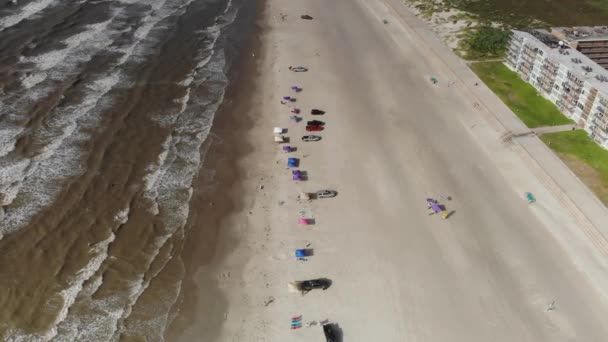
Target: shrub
x,y
486,42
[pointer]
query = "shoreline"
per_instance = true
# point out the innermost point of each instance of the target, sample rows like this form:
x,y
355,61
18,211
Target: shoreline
x,y
218,185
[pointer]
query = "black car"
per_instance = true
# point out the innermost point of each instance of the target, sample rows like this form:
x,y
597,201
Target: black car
x,y
321,283
317,112
326,194
315,123
311,138
332,332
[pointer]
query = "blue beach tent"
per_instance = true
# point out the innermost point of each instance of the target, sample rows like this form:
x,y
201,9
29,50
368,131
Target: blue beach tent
x,y
292,162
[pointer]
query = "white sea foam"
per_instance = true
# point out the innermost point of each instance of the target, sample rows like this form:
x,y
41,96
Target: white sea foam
x,y
63,123
122,216
228,7
100,252
187,81
95,36
33,79
32,8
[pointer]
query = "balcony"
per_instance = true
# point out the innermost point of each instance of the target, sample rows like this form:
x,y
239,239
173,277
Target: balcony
x,y
573,86
599,132
547,88
527,59
531,56
549,69
514,47
547,74
575,80
601,120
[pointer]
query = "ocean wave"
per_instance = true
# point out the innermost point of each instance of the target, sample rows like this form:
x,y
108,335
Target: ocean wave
x,y
40,168
95,36
90,313
62,122
31,9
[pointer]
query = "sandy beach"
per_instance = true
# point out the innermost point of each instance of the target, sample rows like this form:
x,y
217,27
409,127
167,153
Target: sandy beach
x,y
497,269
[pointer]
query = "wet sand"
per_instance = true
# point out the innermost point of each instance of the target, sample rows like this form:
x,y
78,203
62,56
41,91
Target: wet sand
x,y
219,190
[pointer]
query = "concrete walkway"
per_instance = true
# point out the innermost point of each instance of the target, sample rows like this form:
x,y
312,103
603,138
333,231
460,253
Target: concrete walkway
x,y
484,60
553,129
582,205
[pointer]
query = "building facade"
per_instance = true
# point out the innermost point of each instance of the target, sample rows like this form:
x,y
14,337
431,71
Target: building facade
x,y
573,82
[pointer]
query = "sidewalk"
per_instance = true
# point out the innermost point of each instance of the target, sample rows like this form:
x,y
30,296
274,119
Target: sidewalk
x,y
585,208
553,129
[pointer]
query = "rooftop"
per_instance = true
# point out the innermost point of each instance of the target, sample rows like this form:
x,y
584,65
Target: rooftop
x,y
583,33
584,68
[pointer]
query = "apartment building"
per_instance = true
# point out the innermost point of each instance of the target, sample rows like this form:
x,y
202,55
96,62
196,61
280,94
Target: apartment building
x,y
573,82
590,41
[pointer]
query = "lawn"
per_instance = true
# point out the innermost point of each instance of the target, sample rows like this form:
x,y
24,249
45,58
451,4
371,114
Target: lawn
x,y
521,97
587,159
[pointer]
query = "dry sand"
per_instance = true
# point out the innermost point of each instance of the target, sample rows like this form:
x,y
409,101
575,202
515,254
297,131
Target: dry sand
x,y
488,273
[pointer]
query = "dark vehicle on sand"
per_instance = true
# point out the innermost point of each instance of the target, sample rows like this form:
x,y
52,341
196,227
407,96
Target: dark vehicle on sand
x,y
306,286
314,128
315,123
311,138
326,194
321,283
332,332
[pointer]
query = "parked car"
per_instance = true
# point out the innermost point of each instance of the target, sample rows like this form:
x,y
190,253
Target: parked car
x,y
326,194
321,283
315,123
317,112
331,332
314,128
311,138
